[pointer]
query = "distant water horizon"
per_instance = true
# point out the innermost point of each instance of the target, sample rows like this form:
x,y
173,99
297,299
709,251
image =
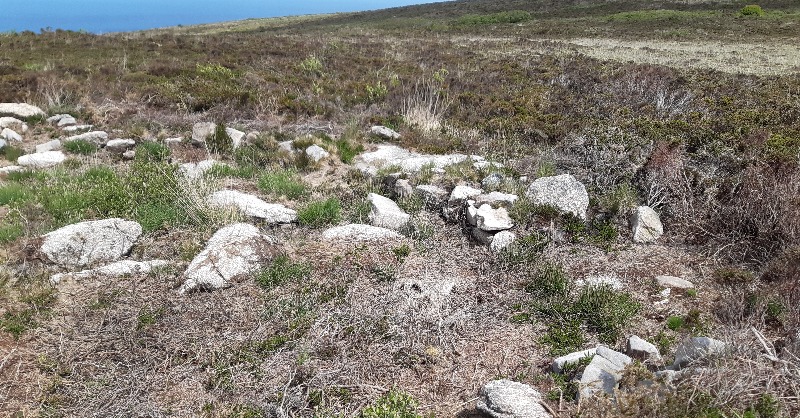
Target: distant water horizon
x,y
104,16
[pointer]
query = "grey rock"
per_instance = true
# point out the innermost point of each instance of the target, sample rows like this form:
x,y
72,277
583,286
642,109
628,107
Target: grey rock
x,y
600,377
287,146
233,251
237,137
462,193
609,280
3,143
194,171
359,233
385,213
201,131
408,162
20,110
493,181
95,137
559,363
171,142
129,155
42,159
10,135
11,169
497,198
253,206
433,196
13,123
672,282
118,269
403,188
90,242
384,132
618,359
77,128
502,240
642,350
53,145
490,220
58,117
563,192
316,153
697,349
485,238
66,121
646,225
118,146
508,399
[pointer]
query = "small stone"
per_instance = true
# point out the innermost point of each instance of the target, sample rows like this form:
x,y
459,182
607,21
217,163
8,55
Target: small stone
x,y
118,146
359,233
600,376
433,196
10,135
502,240
696,349
674,282
386,214
251,205
53,145
611,281
171,142
508,399
11,169
646,225
559,363
497,198
95,137
490,220
129,155
563,192
77,128
316,153
462,193
237,137
384,132
287,146
13,123
67,121
641,349
194,171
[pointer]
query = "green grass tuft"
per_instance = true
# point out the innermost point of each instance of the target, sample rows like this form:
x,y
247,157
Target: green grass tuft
x,y
80,146
320,213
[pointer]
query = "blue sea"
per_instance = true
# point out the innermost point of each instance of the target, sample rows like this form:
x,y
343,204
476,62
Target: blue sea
x,y
102,16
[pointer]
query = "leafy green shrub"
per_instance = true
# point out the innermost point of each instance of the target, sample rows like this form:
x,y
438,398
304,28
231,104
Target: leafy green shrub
x,y
751,10
282,270
312,65
675,322
80,146
783,148
394,404
282,183
320,213
152,152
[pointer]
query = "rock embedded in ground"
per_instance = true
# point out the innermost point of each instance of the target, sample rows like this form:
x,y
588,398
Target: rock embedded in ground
x,y
66,121
10,135
20,110
129,155
599,377
95,137
201,131
53,145
642,350
433,196
563,192
508,399
493,181
119,146
497,198
572,358
696,349
57,118
384,133
77,128
90,242
359,233
42,159
502,240
233,251
406,161
194,171
118,269
646,225
11,169
13,123
402,188
171,142
316,153
672,282
620,360
492,220
250,205
385,213
609,280
462,193
237,137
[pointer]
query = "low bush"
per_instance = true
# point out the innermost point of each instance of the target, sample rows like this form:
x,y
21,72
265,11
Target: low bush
x,y
394,404
751,10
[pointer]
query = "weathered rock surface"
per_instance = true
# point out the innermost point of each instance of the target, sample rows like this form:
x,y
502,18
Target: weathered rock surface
x,y
194,171
696,349
462,193
13,123
201,131
10,135
42,159
407,161
491,220
508,399
493,181
558,364
57,118
66,121
253,206
316,153
359,233
502,240
237,137
385,213
118,146
563,192
20,110
11,169
497,198
433,196
233,251
118,269
53,145
672,282
403,188
642,350
90,242
646,225
95,137
600,376
384,132
76,128
609,280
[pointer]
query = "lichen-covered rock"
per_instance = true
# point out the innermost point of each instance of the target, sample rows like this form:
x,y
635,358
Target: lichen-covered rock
x,y
233,251
642,350
359,233
53,145
119,146
646,225
508,399
672,282
599,377
502,240
563,192
90,242
316,153
384,132
385,213
250,205
20,110
118,269
42,159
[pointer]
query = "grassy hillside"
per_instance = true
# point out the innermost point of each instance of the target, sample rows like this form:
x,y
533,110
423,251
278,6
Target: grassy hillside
x,y
690,107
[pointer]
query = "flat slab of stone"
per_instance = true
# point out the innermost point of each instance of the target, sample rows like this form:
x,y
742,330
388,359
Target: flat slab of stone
x,y
405,160
76,128
359,233
558,364
492,220
232,252
316,153
11,169
90,242
672,282
95,137
194,171
10,135
384,132
385,213
20,110
463,193
563,192
250,205
641,349
118,146
118,269
508,399
696,349
42,159
13,123
53,145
